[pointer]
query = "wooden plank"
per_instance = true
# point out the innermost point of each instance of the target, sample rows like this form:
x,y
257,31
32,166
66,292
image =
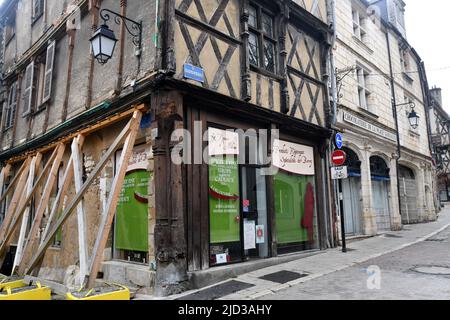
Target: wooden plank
x,y
68,211
81,217
18,189
21,209
13,183
105,227
35,163
3,175
85,132
33,235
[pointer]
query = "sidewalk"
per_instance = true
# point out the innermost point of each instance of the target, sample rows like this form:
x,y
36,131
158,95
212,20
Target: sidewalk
x,y
333,260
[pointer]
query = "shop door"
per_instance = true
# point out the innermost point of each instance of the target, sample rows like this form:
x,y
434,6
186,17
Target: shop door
x,y
352,206
408,195
381,204
237,203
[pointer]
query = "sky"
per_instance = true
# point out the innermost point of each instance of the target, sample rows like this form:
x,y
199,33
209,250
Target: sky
x,y
426,28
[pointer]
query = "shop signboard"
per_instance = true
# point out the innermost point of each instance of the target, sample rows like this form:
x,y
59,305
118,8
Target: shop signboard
x,y
293,158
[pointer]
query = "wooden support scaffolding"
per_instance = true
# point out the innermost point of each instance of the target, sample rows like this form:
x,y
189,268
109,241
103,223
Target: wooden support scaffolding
x,y
16,215
128,135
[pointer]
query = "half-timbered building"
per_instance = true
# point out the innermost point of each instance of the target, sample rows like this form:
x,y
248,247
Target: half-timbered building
x,y
91,185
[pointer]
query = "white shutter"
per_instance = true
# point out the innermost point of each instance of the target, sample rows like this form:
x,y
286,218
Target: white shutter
x,y
28,91
47,92
11,108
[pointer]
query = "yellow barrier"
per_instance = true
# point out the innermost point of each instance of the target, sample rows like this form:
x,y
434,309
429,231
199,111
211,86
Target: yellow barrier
x,y
35,292
11,283
114,292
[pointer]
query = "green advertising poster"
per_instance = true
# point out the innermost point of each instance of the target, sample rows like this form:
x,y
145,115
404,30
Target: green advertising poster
x,y
131,227
294,208
224,198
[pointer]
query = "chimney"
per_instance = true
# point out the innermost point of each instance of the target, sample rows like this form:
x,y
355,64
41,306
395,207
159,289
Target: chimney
x,y
436,95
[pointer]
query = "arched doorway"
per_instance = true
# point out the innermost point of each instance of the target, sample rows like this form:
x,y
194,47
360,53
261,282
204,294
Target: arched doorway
x,y
408,195
380,192
351,189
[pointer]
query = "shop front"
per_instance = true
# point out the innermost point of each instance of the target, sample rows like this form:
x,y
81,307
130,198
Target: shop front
x,y
256,209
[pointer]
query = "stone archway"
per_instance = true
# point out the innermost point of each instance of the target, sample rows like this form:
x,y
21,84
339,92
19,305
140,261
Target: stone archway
x,y
380,177
408,195
351,189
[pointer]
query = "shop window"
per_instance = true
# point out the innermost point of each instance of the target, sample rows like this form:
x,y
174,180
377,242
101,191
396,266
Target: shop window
x,y
10,107
295,212
131,220
262,46
38,9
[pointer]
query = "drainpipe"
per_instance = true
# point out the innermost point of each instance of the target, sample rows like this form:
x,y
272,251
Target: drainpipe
x,y
394,109
332,20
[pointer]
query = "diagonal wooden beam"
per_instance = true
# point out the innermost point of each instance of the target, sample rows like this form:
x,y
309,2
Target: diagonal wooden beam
x,y
18,191
81,217
3,175
35,163
12,185
105,227
33,235
21,209
70,208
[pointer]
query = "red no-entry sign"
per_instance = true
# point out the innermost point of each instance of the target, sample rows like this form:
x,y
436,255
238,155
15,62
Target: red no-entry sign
x,y
338,157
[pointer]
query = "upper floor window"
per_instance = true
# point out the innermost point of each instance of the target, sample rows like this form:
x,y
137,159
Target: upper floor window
x,y
363,91
38,80
359,24
400,13
404,60
38,9
10,26
10,107
262,45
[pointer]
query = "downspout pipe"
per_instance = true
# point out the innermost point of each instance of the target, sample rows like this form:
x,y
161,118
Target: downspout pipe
x,y
394,109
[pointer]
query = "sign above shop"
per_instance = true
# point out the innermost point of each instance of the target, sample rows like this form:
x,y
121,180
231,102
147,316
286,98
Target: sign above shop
x,y
338,173
294,158
356,121
338,157
222,142
193,73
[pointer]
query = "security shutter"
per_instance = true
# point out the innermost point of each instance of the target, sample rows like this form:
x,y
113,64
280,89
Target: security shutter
x,y
28,91
49,72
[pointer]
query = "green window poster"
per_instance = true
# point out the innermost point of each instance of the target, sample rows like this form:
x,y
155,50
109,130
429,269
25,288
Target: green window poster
x,y
132,213
294,208
224,198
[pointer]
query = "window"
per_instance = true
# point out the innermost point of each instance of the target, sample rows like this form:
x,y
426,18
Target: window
x,y
363,92
38,80
38,9
10,27
400,14
359,23
10,106
404,60
261,42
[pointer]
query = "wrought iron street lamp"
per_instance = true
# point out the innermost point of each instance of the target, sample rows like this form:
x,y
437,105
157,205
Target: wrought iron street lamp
x,y
104,41
413,117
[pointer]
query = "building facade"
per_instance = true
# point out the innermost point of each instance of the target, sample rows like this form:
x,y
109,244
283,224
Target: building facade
x,y
440,136
380,81
153,167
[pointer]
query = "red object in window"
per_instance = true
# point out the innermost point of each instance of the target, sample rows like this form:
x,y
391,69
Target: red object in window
x,y
307,221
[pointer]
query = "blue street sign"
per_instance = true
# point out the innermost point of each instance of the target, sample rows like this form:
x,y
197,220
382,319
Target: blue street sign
x,y
339,141
193,73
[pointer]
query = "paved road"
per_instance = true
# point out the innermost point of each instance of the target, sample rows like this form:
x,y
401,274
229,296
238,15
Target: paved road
x,y
399,276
